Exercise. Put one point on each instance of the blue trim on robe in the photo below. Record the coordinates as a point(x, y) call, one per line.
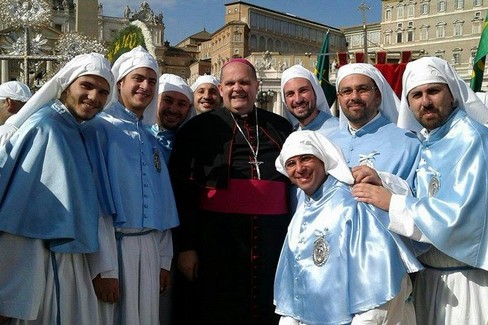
point(47, 186)
point(165, 138)
point(142, 195)
point(365, 267)
point(455, 220)
point(397, 150)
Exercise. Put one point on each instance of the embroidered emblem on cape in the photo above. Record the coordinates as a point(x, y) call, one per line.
point(320, 251)
point(157, 161)
point(434, 185)
point(368, 160)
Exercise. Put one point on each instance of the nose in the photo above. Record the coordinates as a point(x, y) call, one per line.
point(426, 101)
point(300, 167)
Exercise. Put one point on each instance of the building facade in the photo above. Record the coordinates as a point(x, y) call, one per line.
point(447, 29)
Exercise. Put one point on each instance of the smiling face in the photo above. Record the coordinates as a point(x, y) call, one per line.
point(86, 96)
point(359, 99)
point(173, 108)
point(431, 104)
point(206, 98)
point(238, 87)
point(301, 100)
point(137, 89)
point(306, 171)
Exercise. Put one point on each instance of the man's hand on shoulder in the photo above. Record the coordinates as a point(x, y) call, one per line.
point(365, 174)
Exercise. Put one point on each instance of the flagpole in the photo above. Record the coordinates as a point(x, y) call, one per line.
point(363, 7)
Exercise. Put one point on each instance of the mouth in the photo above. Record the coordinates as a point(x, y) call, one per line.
point(429, 113)
point(90, 106)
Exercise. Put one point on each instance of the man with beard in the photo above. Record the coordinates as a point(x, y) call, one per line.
point(367, 132)
point(232, 205)
point(206, 94)
point(449, 208)
point(174, 108)
point(305, 100)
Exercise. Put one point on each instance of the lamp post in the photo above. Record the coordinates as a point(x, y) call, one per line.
point(264, 96)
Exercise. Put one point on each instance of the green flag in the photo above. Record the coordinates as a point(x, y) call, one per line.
point(322, 71)
point(479, 59)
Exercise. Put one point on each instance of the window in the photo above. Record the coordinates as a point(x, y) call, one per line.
point(458, 4)
point(410, 35)
point(388, 38)
point(441, 5)
point(476, 27)
point(388, 14)
point(477, 3)
point(400, 12)
point(456, 57)
point(458, 28)
point(424, 33)
point(474, 50)
point(424, 9)
point(399, 36)
point(441, 30)
point(411, 10)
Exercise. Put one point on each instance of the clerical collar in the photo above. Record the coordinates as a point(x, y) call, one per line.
point(353, 130)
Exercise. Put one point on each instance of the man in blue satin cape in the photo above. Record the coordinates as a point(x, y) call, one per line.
point(339, 263)
point(449, 209)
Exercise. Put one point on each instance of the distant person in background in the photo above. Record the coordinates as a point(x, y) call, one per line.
point(206, 94)
point(13, 95)
point(174, 108)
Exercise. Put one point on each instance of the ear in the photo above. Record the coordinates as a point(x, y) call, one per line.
point(10, 105)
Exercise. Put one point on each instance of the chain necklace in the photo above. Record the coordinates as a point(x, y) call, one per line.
point(256, 163)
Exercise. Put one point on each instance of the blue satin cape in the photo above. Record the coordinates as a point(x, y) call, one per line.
point(455, 219)
point(365, 267)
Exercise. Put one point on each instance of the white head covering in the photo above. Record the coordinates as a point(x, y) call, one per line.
point(205, 79)
point(84, 64)
point(136, 58)
point(389, 101)
point(298, 71)
point(172, 82)
point(435, 70)
point(313, 143)
point(15, 90)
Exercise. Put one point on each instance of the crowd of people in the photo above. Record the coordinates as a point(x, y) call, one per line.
point(130, 197)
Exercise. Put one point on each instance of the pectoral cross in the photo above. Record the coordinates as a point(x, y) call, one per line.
point(256, 164)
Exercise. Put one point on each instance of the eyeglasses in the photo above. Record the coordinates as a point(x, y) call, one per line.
point(303, 159)
point(361, 90)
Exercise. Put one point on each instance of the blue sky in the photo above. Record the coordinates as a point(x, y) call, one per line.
point(183, 18)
